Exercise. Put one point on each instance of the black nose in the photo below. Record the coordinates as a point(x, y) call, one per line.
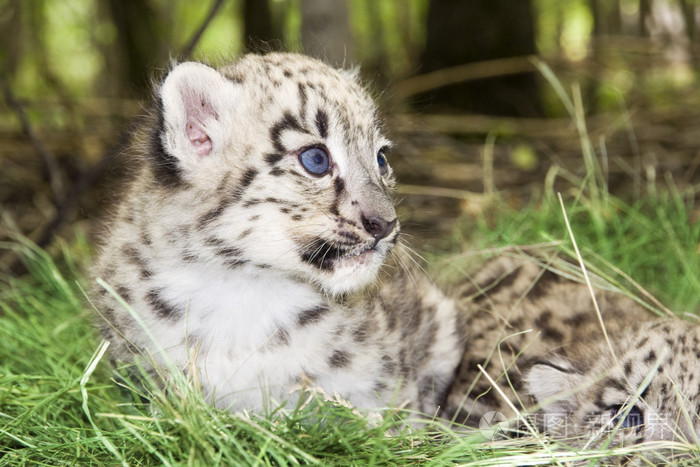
point(378, 227)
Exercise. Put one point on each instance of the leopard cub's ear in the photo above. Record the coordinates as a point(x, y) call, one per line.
point(196, 105)
point(554, 383)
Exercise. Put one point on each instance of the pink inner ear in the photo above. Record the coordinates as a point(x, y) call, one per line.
point(198, 111)
point(198, 137)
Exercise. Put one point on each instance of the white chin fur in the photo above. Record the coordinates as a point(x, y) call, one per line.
point(353, 273)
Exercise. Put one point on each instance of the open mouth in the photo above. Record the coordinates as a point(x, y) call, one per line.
point(324, 255)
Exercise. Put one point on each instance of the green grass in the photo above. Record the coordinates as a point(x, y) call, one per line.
point(652, 240)
point(60, 404)
point(63, 403)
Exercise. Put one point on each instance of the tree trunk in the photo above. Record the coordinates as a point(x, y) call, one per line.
point(644, 14)
point(325, 30)
point(12, 38)
point(140, 42)
point(258, 27)
point(460, 32)
point(607, 17)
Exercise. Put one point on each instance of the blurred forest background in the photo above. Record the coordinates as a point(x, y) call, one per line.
point(462, 83)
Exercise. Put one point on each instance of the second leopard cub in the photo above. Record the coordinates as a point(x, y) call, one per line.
point(531, 325)
point(250, 241)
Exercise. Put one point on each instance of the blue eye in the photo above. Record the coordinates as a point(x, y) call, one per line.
point(634, 418)
point(381, 161)
point(315, 161)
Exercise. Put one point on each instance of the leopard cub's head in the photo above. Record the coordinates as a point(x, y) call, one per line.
point(278, 162)
point(649, 390)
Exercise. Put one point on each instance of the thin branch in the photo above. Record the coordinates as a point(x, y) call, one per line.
point(192, 43)
point(461, 73)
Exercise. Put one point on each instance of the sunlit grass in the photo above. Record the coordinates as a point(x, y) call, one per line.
point(653, 239)
point(63, 403)
point(54, 409)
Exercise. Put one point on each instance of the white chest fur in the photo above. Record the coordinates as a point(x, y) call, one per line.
point(242, 335)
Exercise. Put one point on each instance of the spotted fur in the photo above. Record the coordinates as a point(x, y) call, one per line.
point(254, 273)
point(531, 324)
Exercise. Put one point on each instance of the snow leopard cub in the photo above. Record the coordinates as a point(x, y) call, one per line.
point(251, 239)
point(532, 326)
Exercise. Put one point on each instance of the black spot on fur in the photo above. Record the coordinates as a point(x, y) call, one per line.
point(339, 185)
point(188, 256)
point(233, 257)
point(599, 402)
point(108, 315)
point(237, 78)
point(229, 252)
point(493, 284)
point(577, 319)
point(145, 237)
point(107, 274)
point(162, 308)
point(214, 242)
point(124, 293)
point(288, 122)
point(321, 254)
point(302, 100)
point(135, 258)
point(515, 379)
point(351, 236)
point(273, 158)
point(339, 359)
point(212, 215)
point(645, 392)
point(543, 319)
point(312, 315)
point(247, 178)
point(379, 386)
point(552, 334)
point(281, 337)
point(251, 202)
point(411, 316)
point(388, 365)
point(360, 333)
point(245, 181)
point(333, 209)
point(426, 388)
point(404, 368)
point(628, 367)
point(322, 123)
point(166, 169)
point(651, 357)
point(277, 172)
point(390, 312)
point(615, 383)
point(544, 284)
